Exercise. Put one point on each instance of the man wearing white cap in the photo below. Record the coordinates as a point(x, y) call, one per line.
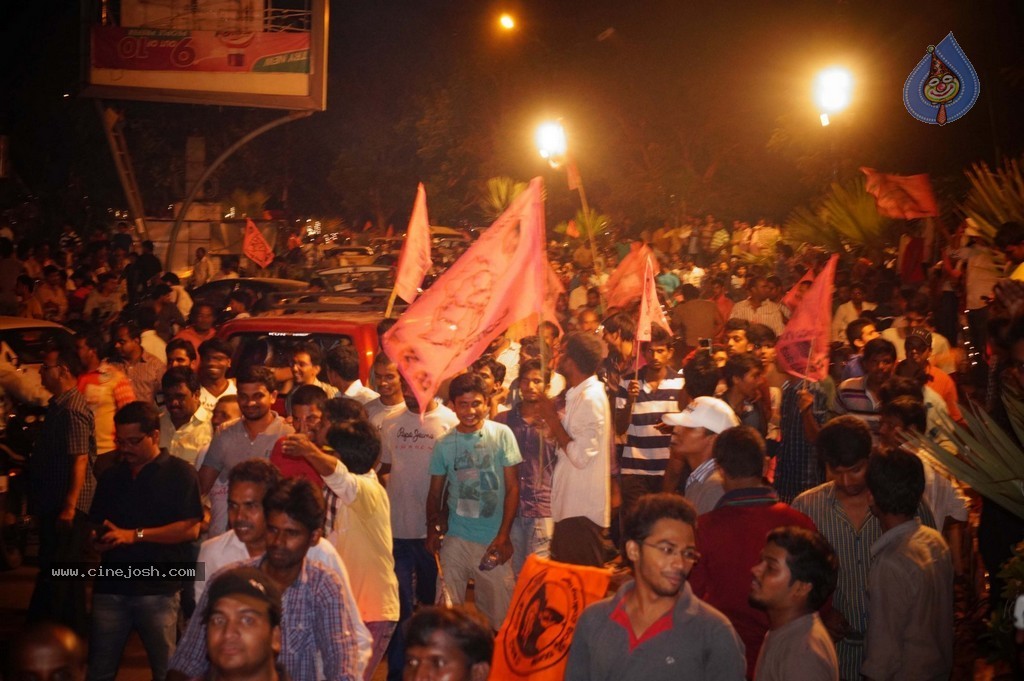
point(693, 436)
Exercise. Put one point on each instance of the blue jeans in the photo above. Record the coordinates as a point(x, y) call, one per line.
point(113, 618)
point(530, 535)
point(417, 581)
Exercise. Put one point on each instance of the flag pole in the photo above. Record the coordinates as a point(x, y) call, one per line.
point(391, 302)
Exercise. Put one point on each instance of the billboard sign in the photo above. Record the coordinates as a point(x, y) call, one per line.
point(275, 60)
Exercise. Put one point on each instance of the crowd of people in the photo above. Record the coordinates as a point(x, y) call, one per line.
point(763, 526)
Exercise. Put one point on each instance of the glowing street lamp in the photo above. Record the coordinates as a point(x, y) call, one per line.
point(507, 22)
point(553, 146)
point(832, 91)
point(551, 143)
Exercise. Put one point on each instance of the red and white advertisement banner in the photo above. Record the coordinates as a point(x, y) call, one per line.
point(149, 49)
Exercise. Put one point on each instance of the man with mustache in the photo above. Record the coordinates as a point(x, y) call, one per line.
point(320, 636)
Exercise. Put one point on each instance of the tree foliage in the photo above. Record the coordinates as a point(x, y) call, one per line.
point(844, 220)
point(995, 196)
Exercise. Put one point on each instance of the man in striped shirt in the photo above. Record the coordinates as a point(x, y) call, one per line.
point(860, 396)
point(758, 309)
point(641, 401)
point(840, 511)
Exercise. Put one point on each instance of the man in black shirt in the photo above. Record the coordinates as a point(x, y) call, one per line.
point(147, 510)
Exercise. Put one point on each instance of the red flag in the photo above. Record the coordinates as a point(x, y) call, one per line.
point(803, 348)
point(901, 196)
point(548, 600)
point(255, 247)
point(572, 230)
point(501, 278)
point(414, 260)
point(626, 283)
point(650, 307)
point(792, 299)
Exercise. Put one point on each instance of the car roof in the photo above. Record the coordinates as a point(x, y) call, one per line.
point(26, 323)
point(302, 322)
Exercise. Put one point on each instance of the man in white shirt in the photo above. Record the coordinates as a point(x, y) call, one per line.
point(407, 443)
point(390, 402)
point(342, 367)
point(214, 364)
point(849, 311)
point(580, 488)
point(185, 428)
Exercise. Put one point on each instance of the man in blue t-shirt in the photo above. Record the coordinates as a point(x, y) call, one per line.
point(477, 462)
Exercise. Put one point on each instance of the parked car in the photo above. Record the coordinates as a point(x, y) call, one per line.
point(23, 408)
point(218, 292)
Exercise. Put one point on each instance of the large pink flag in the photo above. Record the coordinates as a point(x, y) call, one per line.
point(792, 299)
point(650, 308)
point(501, 278)
point(626, 283)
point(803, 348)
point(414, 260)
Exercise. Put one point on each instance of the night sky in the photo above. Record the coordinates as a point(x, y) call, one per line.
point(639, 86)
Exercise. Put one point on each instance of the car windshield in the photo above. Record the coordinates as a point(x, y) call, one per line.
point(26, 346)
point(275, 349)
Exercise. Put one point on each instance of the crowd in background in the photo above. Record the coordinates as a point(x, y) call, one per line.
point(574, 441)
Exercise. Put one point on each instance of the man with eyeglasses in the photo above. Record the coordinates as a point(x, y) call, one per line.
point(62, 487)
point(146, 512)
point(732, 535)
point(655, 628)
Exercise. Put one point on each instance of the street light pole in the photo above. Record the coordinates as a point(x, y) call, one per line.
point(832, 90)
point(553, 146)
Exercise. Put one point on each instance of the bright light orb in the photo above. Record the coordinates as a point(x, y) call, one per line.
point(551, 141)
point(832, 89)
point(507, 22)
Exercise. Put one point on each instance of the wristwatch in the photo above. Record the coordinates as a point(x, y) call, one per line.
point(139, 534)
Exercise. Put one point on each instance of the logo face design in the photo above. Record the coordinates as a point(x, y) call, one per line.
point(943, 86)
point(543, 621)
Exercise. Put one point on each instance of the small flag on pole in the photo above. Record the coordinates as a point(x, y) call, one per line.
point(414, 260)
point(255, 247)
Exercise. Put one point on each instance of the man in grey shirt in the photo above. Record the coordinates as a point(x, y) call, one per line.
point(654, 628)
point(251, 437)
point(910, 586)
point(797, 572)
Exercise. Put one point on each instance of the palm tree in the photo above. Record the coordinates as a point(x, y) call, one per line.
point(995, 196)
point(501, 191)
point(844, 220)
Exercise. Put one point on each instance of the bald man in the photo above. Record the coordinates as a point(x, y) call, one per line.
point(48, 652)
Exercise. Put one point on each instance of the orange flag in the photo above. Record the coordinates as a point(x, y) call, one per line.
point(255, 247)
point(414, 260)
point(549, 597)
point(626, 283)
point(500, 279)
point(572, 230)
point(803, 347)
point(901, 196)
point(650, 308)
